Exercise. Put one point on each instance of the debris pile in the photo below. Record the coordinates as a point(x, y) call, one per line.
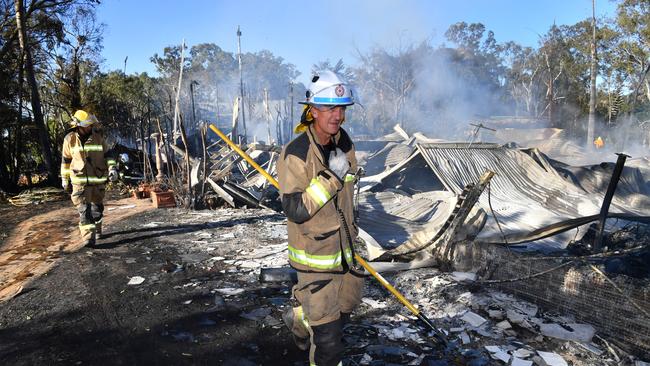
point(483, 323)
point(223, 255)
point(37, 195)
point(223, 175)
point(420, 200)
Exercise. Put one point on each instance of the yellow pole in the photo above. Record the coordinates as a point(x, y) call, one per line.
point(361, 261)
point(388, 286)
point(245, 156)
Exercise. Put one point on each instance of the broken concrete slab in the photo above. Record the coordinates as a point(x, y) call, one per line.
point(473, 319)
point(495, 314)
point(522, 353)
point(498, 353)
point(504, 325)
point(375, 304)
point(248, 264)
point(135, 280)
point(552, 359)
point(570, 332)
point(515, 316)
point(463, 276)
point(519, 362)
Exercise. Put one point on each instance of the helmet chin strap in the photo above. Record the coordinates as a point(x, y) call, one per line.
point(306, 118)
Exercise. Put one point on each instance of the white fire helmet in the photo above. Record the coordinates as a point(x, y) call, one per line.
point(327, 88)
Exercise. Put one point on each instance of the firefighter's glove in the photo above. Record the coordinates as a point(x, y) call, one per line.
point(338, 163)
point(65, 184)
point(113, 175)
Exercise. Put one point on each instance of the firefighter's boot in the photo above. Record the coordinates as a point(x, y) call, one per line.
point(295, 320)
point(90, 243)
point(98, 229)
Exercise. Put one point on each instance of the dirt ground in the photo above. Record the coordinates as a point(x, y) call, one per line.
point(83, 312)
point(198, 304)
point(178, 287)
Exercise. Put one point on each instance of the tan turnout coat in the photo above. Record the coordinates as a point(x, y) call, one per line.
point(85, 163)
point(312, 197)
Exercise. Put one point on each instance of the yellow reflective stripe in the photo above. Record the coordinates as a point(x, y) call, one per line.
point(349, 178)
point(88, 147)
point(301, 314)
point(110, 162)
point(65, 172)
point(87, 226)
point(348, 255)
point(93, 147)
point(93, 180)
point(313, 260)
point(318, 193)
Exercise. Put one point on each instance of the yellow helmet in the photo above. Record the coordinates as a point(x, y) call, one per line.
point(83, 119)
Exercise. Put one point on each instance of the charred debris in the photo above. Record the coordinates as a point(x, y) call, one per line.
point(512, 220)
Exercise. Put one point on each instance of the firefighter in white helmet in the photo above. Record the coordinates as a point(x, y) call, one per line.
point(316, 176)
point(87, 164)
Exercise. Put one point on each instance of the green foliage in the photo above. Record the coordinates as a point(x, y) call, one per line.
point(121, 101)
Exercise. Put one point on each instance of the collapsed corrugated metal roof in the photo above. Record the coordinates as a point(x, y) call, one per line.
point(526, 195)
point(397, 220)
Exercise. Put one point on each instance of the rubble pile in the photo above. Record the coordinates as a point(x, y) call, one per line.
point(224, 253)
point(414, 195)
point(486, 326)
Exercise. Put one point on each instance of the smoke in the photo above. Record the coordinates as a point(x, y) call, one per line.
point(447, 95)
point(436, 91)
point(626, 135)
point(213, 75)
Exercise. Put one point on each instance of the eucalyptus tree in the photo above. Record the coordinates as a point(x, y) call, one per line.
point(29, 31)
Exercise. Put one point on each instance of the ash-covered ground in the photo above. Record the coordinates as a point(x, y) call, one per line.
point(177, 287)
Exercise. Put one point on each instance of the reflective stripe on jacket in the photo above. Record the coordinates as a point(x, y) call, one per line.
point(311, 197)
point(85, 162)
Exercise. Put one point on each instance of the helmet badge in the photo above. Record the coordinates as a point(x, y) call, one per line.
point(340, 90)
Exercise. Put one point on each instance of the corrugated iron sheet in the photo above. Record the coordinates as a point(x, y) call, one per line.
point(394, 218)
point(524, 196)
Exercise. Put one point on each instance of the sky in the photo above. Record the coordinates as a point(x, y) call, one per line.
point(307, 32)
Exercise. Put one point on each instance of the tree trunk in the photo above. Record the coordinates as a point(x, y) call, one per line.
point(4, 171)
point(18, 148)
point(35, 96)
point(551, 101)
point(178, 94)
point(75, 84)
point(591, 125)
